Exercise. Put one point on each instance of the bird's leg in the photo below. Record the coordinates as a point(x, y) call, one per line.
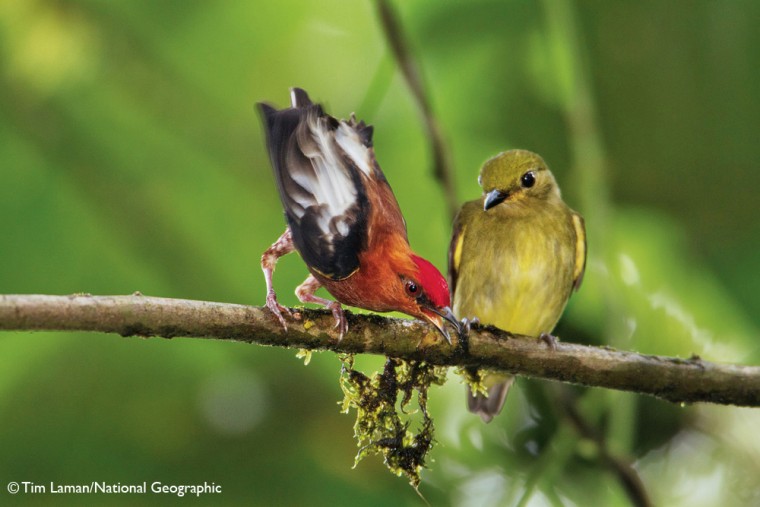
point(468, 323)
point(464, 336)
point(283, 246)
point(305, 293)
point(549, 339)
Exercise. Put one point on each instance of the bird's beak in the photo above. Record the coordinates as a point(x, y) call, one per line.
point(437, 320)
point(493, 198)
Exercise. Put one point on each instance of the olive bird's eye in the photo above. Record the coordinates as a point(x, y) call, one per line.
point(528, 179)
point(411, 288)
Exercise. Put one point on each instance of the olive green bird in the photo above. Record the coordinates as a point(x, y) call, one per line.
point(516, 255)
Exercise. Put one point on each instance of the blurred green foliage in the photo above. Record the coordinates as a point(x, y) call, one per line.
point(131, 158)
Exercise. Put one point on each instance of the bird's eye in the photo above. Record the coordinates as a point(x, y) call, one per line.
point(528, 179)
point(412, 288)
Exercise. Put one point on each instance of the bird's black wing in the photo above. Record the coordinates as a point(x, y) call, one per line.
point(319, 164)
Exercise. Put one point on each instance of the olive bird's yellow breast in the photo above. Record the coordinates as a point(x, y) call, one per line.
point(516, 267)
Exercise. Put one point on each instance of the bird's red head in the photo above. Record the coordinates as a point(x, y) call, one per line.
point(430, 295)
point(435, 285)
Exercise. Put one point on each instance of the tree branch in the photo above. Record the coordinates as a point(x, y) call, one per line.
point(673, 379)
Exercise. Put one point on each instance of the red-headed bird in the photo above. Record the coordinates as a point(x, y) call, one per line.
point(344, 220)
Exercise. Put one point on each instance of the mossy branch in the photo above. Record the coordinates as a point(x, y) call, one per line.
point(674, 379)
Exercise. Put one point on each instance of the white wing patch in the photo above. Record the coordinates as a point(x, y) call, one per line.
point(329, 190)
point(352, 145)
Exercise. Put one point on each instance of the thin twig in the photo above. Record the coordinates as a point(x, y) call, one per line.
point(673, 379)
point(625, 473)
point(394, 34)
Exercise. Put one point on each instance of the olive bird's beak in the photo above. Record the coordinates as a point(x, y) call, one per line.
point(493, 198)
point(437, 321)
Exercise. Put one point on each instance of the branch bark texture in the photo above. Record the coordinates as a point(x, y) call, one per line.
point(673, 379)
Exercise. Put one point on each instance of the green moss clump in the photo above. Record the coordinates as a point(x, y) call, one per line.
point(380, 402)
point(304, 354)
point(473, 377)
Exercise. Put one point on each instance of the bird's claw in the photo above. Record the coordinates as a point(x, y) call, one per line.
point(464, 335)
point(468, 323)
point(549, 339)
point(341, 323)
point(277, 309)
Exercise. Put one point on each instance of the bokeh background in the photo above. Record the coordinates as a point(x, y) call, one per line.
point(131, 158)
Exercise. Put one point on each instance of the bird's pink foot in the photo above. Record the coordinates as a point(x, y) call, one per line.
point(277, 309)
point(341, 323)
point(283, 246)
point(305, 293)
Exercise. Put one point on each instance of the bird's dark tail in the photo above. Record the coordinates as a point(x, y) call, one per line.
point(299, 98)
point(487, 407)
